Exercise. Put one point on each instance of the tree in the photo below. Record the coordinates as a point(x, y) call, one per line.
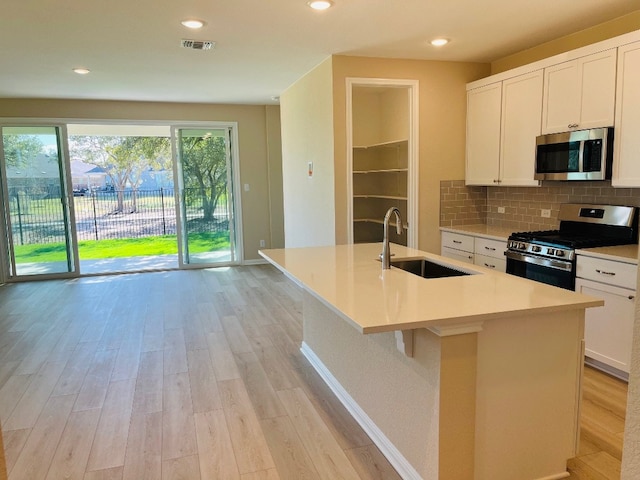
point(204, 163)
point(18, 149)
point(124, 159)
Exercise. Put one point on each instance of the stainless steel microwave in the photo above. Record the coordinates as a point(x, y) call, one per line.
point(577, 155)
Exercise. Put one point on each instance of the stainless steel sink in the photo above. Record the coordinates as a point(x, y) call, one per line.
point(426, 269)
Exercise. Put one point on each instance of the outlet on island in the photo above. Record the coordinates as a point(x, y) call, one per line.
point(500, 209)
point(545, 213)
point(262, 244)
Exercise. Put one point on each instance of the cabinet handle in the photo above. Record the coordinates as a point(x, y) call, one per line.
point(602, 272)
point(572, 125)
point(470, 257)
point(490, 248)
point(631, 297)
point(457, 241)
point(490, 266)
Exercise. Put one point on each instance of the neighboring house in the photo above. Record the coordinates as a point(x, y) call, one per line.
point(87, 175)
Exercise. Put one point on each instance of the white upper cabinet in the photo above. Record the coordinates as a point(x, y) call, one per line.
point(521, 120)
point(626, 149)
point(484, 107)
point(580, 94)
point(503, 120)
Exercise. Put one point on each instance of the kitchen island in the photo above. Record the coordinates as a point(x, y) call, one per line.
point(473, 377)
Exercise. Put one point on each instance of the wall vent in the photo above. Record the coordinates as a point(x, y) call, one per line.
point(197, 44)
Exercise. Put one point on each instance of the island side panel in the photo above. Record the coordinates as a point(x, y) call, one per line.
point(399, 394)
point(528, 395)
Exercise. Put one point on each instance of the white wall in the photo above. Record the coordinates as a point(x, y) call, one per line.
point(306, 112)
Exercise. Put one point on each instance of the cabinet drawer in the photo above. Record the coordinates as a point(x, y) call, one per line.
point(490, 248)
point(607, 271)
point(457, 241)
point(466, 257)
point(494, 263)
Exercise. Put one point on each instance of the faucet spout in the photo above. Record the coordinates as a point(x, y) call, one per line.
point(385, 256)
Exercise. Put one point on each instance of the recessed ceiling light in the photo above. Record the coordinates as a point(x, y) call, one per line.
point(81, 71)
point(193, 23)
point(320, 4)
point(439, 42)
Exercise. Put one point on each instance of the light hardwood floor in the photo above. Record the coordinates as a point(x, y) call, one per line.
point(194, 374)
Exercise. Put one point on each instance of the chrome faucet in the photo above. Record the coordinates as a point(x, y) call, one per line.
point(385, 256)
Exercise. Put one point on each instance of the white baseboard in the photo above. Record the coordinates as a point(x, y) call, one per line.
point(388, 449)
point(255, 261)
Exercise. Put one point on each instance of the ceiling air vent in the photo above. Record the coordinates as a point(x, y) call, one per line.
point(198, 44)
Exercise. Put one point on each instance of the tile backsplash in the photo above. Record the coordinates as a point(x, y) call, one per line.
point(462, 205)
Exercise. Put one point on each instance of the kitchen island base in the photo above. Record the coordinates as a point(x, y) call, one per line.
point(501, 403)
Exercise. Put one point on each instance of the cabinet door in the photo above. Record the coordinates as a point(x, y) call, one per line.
point(561, 100)
point(465, 257)
point(521, 124)
point(598, 77)
point(609, 329)
point(483, 135)
point(494, 263)
point(626, 167)
point(580, 94)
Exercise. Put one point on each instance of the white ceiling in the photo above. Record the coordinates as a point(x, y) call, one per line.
point(133, 46)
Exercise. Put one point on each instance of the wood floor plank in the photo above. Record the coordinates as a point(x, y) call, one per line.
point(72, 454)
point(215, 451)
point(184, 468)
point(147, 397)
point(204, 386)
point(371, 464)
point(96, 382)
point(265, 402)
point(76, 369)
point(249, 445)
point(238, 341)
point(224, 364)
point(177, 393)
point(114, 473)
point(178, 434)
point(35, 397)
point(143, 458)
point(271, 474)
point(35, 458)
point(175, 352)
point(289, 455)
point(11, 393)
point(14, 442)
point(109, 444)
point(326, 454)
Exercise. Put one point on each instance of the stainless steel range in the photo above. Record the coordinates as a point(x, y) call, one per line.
point(549, 256)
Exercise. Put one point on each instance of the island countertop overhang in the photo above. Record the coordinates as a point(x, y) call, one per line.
point(349, 280)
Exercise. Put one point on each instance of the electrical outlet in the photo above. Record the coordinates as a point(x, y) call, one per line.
point(544, 213)
point(500, 209)
point(262, 244)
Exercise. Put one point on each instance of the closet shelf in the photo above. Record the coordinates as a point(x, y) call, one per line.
point(382, 170)
point(385, 197)
point(375, 220)
point(390, 144)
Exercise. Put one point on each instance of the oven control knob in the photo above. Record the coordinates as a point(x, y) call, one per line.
point(550, 251)
point(559, 253)
point(521, 246)
point(536, 249)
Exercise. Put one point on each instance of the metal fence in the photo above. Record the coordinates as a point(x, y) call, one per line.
point(37, 216)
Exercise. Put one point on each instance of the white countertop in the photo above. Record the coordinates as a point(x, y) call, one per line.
point(349, 280)
point(481, 230)
point(620, 253)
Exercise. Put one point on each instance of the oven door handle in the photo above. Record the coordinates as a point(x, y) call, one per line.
point(544, 262)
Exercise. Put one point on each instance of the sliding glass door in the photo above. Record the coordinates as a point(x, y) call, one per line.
point(206, 198)
point(38, 238)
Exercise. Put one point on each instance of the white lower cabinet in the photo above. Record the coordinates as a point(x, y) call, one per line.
point(608, 329)
point(477, 250)
point(460, 255)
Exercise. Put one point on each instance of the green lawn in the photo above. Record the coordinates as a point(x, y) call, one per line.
point(119, 248)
